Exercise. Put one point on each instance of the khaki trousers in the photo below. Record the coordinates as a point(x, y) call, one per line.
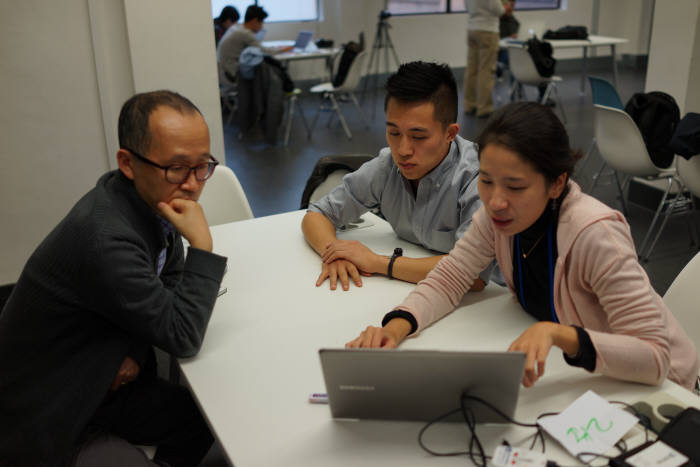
point(479, 78)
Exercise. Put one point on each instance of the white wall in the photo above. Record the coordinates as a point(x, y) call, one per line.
point(52, 143)
point(674, 55)
point(66, 69)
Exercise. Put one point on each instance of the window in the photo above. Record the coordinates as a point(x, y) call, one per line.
point(412, 7)
point(279, 10)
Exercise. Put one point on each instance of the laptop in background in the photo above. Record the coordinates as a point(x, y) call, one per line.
point(303, 39)
point(419, 384)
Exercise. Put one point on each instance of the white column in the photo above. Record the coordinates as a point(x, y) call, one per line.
point(674, 53)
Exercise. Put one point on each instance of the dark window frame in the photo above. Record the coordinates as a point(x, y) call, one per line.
point(448, 10)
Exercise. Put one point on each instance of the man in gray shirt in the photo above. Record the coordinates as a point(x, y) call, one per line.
point(233, 43)
point(424, 184)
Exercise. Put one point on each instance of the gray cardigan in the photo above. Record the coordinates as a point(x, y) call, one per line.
point(88, 296)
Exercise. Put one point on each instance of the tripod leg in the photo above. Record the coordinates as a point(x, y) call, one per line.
point(393, 50)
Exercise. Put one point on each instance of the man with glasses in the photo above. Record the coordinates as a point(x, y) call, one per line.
point(78, 380)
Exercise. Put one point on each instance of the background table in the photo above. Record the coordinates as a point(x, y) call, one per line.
point(585, 44)
point(259, 361)
point(327, 54)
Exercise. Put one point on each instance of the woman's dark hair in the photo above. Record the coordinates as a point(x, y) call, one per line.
point(228, 12)
point(535, 133)
point(425, 82)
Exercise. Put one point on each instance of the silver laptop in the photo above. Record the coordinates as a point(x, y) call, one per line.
point(303, 39)
point(419, 384)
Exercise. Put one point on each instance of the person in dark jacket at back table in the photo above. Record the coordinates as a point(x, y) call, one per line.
point(77, 373)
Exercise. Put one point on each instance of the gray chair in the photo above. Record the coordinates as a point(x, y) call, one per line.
point(223, 198)
point(327, 90)
point(682, 299)
point(328, 173)
point(525, 73)
point(622, 148)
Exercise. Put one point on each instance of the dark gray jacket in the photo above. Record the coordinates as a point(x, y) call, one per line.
point(88, 295)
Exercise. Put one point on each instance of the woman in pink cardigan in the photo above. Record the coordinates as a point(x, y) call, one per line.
point(569, 260)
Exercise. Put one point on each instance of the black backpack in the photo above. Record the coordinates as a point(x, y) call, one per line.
point(567, 32)
point(541, 53)
point(350, 51)
point(657, 115)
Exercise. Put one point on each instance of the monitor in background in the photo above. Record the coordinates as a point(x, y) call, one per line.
point(420, 384)
point(303, 39)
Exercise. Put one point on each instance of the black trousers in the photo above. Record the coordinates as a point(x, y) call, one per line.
point(154, 412)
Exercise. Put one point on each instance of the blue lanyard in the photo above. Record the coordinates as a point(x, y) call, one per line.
point(521, 291)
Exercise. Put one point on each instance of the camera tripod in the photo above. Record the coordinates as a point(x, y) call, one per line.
point(382, 40)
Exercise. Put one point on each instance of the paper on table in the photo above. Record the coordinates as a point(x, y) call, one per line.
point(590, 424)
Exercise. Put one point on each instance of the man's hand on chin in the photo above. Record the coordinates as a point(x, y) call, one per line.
point(188, 218)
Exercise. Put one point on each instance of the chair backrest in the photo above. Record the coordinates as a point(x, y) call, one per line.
point(604, 93)
point(328, 173)
point(223, 199)
point(352, 80)
point(333, 179)
point(620, 144)
point(682, 299)
point(689, 172)
point(522, 66)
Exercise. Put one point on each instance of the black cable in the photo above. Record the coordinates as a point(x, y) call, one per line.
point(476, 450)
point(431, 423)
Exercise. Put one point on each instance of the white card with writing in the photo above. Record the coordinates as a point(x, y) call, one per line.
point(590, 424)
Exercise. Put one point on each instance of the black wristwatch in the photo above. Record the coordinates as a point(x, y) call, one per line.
point(397, 252)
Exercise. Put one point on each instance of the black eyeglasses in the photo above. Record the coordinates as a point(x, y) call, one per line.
point(178, 173)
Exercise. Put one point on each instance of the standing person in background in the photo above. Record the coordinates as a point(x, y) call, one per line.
point(227, 19)
point(482, 51)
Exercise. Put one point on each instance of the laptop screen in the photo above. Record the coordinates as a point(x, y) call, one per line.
point(419, 384)
point(303, 39)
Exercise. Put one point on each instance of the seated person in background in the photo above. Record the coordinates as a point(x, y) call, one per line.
point(108, 283)
point(232, 44)
point(225, 22)
point(423, 184)
point(569, 260)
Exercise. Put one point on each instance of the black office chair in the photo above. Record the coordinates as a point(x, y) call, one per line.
point(328, 173)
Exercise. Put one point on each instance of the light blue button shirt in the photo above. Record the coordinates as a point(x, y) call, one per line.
point(435, 218)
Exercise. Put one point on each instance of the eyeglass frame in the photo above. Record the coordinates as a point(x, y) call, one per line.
point(212, 163)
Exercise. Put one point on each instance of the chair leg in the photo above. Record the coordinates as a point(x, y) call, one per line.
point(561, 104)
point(642, 256)
point(359, 110)
point(290, 115)
point(669, 211)
point(313, 122)
point(588, 155)
point(621, 189)
point(596, 176)
point(304, 121)
point(336, 107)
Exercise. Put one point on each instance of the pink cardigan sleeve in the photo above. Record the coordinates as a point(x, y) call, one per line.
point(631, 334)
point(443, 288)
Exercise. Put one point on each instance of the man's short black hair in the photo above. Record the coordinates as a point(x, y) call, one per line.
point(228, 12)
point(255, 12)
point(425, 82)
point(134, 129)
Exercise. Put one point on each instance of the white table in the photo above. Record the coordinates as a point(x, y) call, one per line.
point(585, 44)
point(328, 54)
point(259, 361)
